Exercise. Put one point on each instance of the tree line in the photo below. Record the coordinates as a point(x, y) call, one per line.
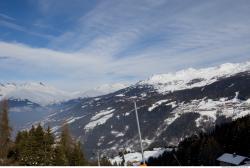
point(38, 146)
point(205, 148)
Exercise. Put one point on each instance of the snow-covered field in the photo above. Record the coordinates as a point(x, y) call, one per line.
point(136, 157)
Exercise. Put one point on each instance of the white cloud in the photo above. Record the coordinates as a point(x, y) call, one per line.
point(117, 39)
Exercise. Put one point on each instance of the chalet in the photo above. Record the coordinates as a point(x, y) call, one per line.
point(228, 159)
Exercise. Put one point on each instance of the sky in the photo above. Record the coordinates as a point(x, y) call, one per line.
point(81, 44)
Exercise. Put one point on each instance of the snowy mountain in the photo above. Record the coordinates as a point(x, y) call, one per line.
point(34, 92)
point(190, 78)
point(28, 101)
point(170, 107)
point(45, 95)
point(32, 101)
point(102, 90)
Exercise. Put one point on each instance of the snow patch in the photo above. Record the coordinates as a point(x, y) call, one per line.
point(96, 99)
point(156, 104)
point(235, 99)
point(120, 95)
point(127, 113)
point(126, 127)
point(54, 129)
point(73, 119)
point(99, 119)
point(117, 134)
point(83, 106)
point(172, 104)
point(136, 156)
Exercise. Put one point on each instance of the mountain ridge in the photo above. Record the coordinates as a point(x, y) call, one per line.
point(107, 122)
point(42, 94)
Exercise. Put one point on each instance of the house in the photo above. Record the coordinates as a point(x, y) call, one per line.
point(228, 159)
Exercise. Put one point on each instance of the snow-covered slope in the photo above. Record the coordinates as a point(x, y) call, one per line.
point(34, 92)
point(190, 78)
point(102, 90)
point(170, 107)
point(44, 95)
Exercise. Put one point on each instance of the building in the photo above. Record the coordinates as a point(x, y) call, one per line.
point(228, 159)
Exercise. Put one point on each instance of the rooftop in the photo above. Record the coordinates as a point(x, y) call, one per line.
point(231, 158)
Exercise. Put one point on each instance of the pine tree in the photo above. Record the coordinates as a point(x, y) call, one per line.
point(20, 146)
point(66, 142)
point(105, 162)
point(48, 147)
point(66, 139)
point(68, 152)
point(5, 133)
point(121, 154)
point(77, 157)
point(115, 164)
point(29, 152)
point(60, 158)
point(31, 147)
point(38, 146)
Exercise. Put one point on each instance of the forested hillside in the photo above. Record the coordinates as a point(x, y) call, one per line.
point(205, 148)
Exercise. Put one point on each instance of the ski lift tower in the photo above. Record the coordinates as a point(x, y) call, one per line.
point(139, 132)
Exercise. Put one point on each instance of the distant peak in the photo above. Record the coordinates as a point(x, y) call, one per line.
point(102, 90)
point(192, 77)
point(41, 83)
point(35, 92)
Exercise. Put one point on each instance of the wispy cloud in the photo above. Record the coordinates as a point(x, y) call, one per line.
point(7, 17)
point(130, 40)
point(10, 23)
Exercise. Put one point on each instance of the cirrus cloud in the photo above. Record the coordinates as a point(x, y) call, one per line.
point(118, 41)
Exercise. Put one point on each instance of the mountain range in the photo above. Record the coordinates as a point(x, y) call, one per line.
point(170, 106)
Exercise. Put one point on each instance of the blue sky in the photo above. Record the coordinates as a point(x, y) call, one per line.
point(80, 44)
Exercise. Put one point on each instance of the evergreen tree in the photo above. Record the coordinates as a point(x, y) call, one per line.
point(115, 164)
point(28, 147)
point(121, 154)
point(48, 147)
point(5, 133)
point(37, 147)
point(20, 146)
point(105, 162)
point(209, 152)
point(66, 140)
point(60, 158)
point(77, 157)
